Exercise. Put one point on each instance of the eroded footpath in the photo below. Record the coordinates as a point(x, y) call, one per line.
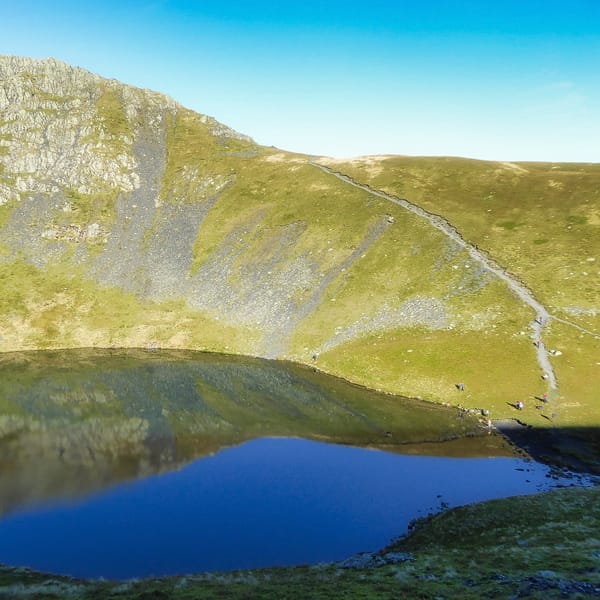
point(542, 316)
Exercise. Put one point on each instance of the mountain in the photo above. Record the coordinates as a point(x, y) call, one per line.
point(128, 220)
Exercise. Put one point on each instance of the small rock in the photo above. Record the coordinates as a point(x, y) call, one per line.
point(365, 560)
point(546, 574)
point(395, 558)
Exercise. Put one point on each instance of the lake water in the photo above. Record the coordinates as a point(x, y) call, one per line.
point(122, 464)
point(268, 502)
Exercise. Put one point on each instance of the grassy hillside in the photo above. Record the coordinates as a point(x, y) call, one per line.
point(540, 222)
point(160, 227)
point(541, 219)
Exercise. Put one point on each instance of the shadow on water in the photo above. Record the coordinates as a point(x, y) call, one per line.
point(572, 448)
point(74, 421)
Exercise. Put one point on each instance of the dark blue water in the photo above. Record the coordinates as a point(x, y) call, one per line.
point(268, 502)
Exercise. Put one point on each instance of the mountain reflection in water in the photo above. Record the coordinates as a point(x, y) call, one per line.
point(75, 421)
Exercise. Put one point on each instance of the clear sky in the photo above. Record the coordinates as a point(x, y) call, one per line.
point(502, 79)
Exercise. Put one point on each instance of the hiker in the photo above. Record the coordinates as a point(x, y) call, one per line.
point(545, 398)
point(314, 357)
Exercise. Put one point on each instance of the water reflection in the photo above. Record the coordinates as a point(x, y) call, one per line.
point(265, 503)
point(79, 420)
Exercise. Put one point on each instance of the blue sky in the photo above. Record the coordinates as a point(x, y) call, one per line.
point(503, 80)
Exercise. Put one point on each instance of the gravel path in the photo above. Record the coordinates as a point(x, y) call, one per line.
point(542, 316)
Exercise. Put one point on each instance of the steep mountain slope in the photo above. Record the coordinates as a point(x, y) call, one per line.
point(128, 220)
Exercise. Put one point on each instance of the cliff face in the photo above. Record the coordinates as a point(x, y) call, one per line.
point(128, 220)
point(84, 182)
point(67, 131)
point(83, 156)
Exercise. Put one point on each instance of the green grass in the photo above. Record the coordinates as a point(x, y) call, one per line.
point(578, 374)
point(540, 221)
point(429, 364)
point(273, 198)
point(504, 209)
point(90, 208)
point(509, 225)
point(192, 149)
point(111, 112)
point(60, 308)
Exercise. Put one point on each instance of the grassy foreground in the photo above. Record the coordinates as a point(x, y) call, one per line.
point(544, 546)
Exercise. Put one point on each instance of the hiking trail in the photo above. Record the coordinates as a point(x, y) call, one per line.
point(542, 317)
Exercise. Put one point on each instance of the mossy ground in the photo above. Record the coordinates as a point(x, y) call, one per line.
point(544, 546)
